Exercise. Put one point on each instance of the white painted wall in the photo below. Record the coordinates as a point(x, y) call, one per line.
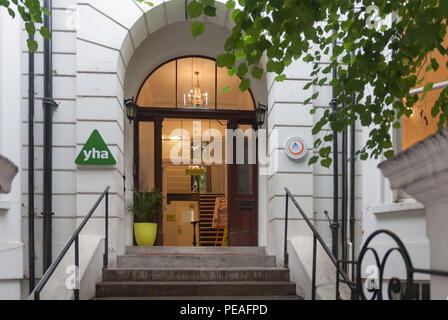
point(405, 218)
point(312, 186)
point(11, 246)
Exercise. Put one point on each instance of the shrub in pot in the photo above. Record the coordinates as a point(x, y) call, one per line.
point(145, 207)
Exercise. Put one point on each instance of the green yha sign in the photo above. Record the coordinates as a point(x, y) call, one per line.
point(95, 152)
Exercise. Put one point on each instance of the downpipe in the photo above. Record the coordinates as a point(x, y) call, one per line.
point(31, 248)
point(352, 193)
point(48, 105)
point(335, 224)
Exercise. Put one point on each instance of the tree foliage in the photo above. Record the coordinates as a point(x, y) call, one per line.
point(32, 14)
point(376, 66)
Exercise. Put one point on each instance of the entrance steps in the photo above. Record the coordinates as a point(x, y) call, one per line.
point(217, 273)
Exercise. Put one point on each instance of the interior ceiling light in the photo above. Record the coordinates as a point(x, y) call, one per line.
point(195, 98)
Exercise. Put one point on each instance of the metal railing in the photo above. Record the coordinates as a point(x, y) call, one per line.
point(75, 239)
point(317, 237)
point(374, 286)
point(395, 285)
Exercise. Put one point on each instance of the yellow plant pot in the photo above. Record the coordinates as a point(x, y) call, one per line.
point(145, 233)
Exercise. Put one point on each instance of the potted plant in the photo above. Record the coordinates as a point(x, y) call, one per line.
point(145, 207)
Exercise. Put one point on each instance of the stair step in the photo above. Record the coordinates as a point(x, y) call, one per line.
point(194, 261)
point(216, 298)
point(210, 274)
point(180, 288)
point(195, 250)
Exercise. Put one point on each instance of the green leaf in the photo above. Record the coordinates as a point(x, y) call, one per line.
point(389, 154)
point(313, 160)
point(30, 29)
point(32, 45)
point(230, 5)
point(328, 138)
point(326, 162)
point(280, 78)
point(428, 87)
point(245, 84)
point(257, 72)
point(46, 12)
point(11, 13)
point(210, 11)
point(275, 66)
point(226, 89)
point(242, 70)
point(45, 32)
point(225, 60)
point(195, 9)
point(197, 28)
point(325, 152)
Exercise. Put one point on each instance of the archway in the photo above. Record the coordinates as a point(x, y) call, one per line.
point(189, 137)
point(112, 62)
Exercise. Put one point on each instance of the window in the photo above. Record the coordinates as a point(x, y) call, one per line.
point(193, 83)
point(421, 124)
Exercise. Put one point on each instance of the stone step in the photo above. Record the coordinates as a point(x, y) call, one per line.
point(188, 288)
point(194, 261)
point(216, 298)
point(213, 274)
point(195, 250)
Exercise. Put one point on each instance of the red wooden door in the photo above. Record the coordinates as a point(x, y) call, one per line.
point(243, 196)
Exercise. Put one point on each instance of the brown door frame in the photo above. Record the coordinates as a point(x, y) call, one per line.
point(240, 202)
point(157, 115)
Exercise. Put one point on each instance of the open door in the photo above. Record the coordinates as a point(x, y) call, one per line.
point(243, 193)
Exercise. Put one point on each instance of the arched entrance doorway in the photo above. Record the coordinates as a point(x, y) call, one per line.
point(195, 142)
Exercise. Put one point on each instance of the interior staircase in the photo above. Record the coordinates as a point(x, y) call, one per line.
point(196, 273)
point(208, 236)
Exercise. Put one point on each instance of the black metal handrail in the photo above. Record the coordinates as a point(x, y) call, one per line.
point(316, 237)
point(75, 239)
point(394, 286)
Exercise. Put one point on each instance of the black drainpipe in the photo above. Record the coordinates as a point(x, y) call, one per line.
point(31, 249)
point(335, 223)
point(352, 191)
point(344, 198)
point(48, 104)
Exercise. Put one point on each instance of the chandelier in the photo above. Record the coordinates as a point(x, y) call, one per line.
point(195, 98)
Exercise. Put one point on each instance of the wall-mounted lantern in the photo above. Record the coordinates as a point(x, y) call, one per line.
point(260, 114)
point(131, 109)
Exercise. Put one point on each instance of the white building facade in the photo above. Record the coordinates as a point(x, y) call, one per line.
point(103, 51)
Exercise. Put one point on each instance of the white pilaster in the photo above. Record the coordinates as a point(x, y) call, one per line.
point(422, 171)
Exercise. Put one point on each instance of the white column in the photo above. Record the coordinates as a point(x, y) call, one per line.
point(422, 171)
point(11, 247)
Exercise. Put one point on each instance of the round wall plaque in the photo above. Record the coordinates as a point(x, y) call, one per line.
point(296, 148)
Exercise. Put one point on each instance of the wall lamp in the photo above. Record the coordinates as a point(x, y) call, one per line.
point(131, 109)
point(260, 114)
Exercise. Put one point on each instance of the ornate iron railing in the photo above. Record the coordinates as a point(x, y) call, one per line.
point(394, 285)
point(75, 239)
point(355, 284)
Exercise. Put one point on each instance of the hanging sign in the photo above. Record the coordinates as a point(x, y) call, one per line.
point(95, 152)
point(195, 171)
point(296, 148)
